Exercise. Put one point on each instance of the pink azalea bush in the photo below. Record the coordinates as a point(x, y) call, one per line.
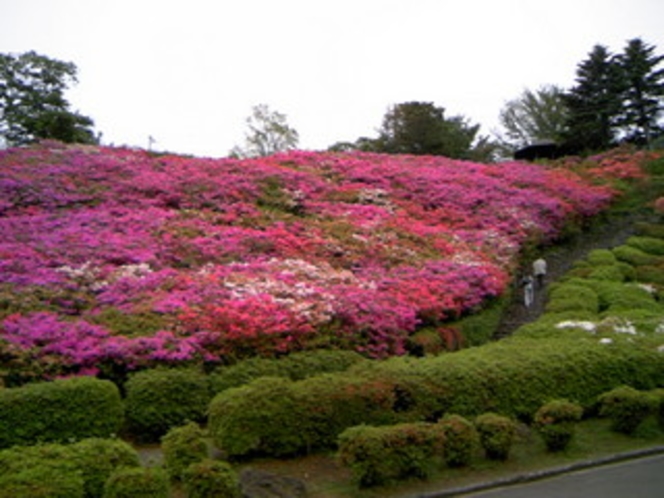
point(223, 257)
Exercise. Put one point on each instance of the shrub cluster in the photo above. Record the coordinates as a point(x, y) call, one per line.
point(515, 377)
point(378, 455)
point(626, 407)
point(211, 479)
point(183, 446)
point(496, 433)
point(295, 366)
point(460, 440)
point(79, 469)
point(138, 482)
point(555, 422)
point(61, 410)
point(160, 399)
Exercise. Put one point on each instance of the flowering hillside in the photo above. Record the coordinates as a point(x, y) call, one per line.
point(116, 256)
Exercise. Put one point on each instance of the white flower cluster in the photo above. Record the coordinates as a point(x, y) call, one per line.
point(295, 284)
point(139, 270)
point(86, 276)
point(375, 196)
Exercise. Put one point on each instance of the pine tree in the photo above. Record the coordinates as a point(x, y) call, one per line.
point(644, 91)
point(594, 103)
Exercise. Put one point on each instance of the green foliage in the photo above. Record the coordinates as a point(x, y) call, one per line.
point(32, 103)
point(42, 471)
point(53, 468)
point(379, 455)
point(460, 438)
point(479, 328)
point(183, 446)
point(137, 482)
point(62, 410)
point(601, 257)
point(650, 245)
point(422, 128)
point(635, 256)
point(160, 399)
point(626, 407)
point(555, 422)
point(650, 274)
point(98, 458)
point(612, 273)
point(534, 116)
point(268, 133)
point(211, 479)
point(514, 377)
point(257, 418)
point(570, 297)
point(496, 433)
point(295, 366)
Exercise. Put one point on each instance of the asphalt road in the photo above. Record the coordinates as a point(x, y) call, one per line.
point(640, 478)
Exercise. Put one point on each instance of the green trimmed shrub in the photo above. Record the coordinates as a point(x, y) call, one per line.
point(41, 471)
point(379, 455)
point(160, 399)
point(626, 407)
point(276, 416)
point(61, 410)
point(635, 256)
point(211, 479)
point(92, 460)
point(555, 422)
point(496, 433)
point(183, 446)
point(295, 366)
point(570, 297)
point(460, 438)
point(137, 482)
point(601, 257)
point(97, 459)
point(650, 274)
point(256, 418)
point(648, 245)
point(613, 273)
point(649, 230)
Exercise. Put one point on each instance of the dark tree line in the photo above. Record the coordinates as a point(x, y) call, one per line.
point(616, 98)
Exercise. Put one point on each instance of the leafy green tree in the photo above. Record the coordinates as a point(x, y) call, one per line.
point(534, 116)
point(422, 128)
point(268, 133)
point(643, 95)
point(594, 103)
point(32, 102)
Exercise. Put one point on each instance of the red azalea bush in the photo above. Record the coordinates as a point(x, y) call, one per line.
point(121, 257)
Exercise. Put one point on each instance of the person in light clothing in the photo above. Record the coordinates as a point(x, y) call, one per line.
point(539, 271)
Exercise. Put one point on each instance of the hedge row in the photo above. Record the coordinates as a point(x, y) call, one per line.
point(160, 399)
point(59, 411)
point(515, 376)
point(67, 471)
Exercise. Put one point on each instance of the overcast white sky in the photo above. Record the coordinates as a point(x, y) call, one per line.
point(189, 72)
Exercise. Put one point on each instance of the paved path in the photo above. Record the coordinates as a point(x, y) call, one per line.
point(640, 478)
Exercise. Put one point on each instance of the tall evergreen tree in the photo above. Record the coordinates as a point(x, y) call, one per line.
point(643, 97)
point(594, 103)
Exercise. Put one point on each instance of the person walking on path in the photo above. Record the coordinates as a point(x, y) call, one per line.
point(539, 270)
point(528, 290)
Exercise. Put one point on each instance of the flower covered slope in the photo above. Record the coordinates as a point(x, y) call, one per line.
point(120, 256)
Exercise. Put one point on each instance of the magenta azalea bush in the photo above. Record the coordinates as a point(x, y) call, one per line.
point(114, 256)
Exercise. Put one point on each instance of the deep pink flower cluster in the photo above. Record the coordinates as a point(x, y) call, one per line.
point(259, 256)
